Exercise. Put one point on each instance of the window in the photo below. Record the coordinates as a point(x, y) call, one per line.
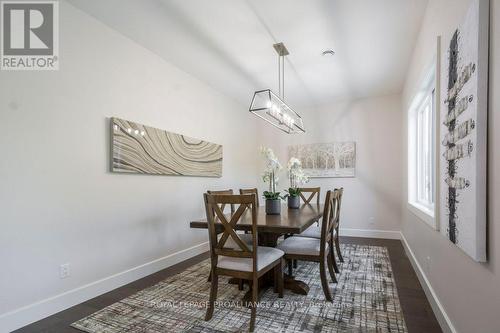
point(422, 151)
point(425, 152)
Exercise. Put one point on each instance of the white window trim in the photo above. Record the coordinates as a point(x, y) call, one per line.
point(423, 212)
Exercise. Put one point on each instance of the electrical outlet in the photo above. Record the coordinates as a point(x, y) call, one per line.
point(371, 220)
point(64, 271)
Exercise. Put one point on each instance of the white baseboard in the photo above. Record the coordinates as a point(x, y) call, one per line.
point(28, 314)
point(370, 233)
point(437, 307)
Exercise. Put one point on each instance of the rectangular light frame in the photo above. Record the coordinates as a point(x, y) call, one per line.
point(285, 119)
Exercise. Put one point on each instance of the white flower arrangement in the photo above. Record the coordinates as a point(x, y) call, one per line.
point(296, 173)
point(270, 174)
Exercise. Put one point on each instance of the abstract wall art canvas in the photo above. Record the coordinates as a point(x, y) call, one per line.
point(326, 160)
point(142, 149)
point(463, 133)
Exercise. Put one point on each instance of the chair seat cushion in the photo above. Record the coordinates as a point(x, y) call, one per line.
point(265, 256)
point(314, 231)
point(301, 246)
point(246, 238)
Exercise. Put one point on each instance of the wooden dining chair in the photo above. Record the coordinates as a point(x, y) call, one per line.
point(317, 250)
point(251, 191)
point(314, 231)
point(230, 243)
point(248, 262)
point(230, 191)
point(337, 228)
point(312, 191)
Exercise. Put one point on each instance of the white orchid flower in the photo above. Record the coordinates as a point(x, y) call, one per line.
point(296, 173)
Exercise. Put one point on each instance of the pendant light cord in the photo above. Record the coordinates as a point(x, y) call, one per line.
point(281, 76)
point(283, 73)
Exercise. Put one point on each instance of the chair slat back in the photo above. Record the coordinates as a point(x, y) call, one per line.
point(213, 204)
point(339, 205)
point(313, 191)
point(330, 217)
point(251, 191)
point(229, 192)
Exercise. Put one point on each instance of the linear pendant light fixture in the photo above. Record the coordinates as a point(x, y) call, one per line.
point(271, 107)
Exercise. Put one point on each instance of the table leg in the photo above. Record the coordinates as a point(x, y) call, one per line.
point(290, 283)
point(296, 286)
point(237, 281)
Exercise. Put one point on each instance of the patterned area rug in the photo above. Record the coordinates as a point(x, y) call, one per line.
point(365, 300)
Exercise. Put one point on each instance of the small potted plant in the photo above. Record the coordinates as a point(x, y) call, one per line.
point(273, 166)
point(293, 197)
point(297, 177)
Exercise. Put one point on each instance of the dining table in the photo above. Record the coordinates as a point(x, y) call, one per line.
point(270, 228)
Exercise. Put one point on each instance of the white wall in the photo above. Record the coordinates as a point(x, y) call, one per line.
point(58, 201)
point(372, 203)
point(468, 292)
point(371, 200)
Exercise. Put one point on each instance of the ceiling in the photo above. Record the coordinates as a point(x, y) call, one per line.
point(228, 43)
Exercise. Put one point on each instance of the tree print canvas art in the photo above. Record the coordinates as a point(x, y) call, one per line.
point(336, 159)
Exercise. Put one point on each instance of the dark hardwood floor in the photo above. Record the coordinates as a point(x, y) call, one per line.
point(417, 311)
